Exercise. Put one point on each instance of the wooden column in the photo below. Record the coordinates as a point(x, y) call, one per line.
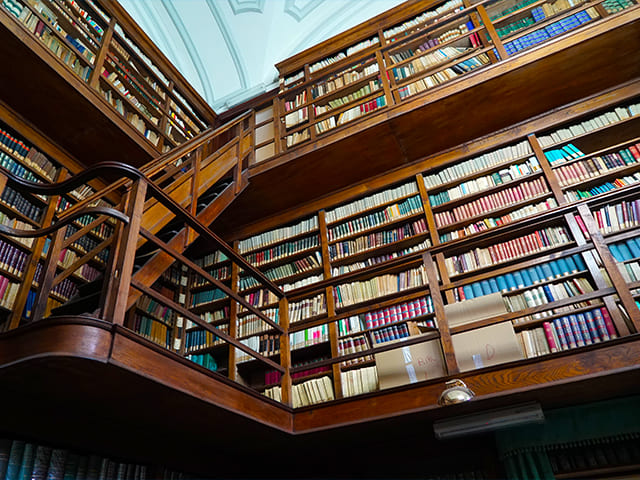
point(116, 303)
point(491, 30)
point(285, 351)
point(549, 174)
point(233, 318)
point(94, 79)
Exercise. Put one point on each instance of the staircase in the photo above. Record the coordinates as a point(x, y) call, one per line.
point(203, 176)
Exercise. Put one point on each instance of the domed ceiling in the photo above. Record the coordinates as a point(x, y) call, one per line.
point(227, 49)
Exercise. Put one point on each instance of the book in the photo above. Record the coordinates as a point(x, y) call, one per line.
point(14, 461)
point(41, 462)
point(28, 458)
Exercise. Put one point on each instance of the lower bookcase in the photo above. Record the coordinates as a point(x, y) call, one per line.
point(25, 458)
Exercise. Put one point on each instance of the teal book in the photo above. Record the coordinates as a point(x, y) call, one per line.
point(28, 457)
point(56, 464)
point(15, 459)
point(41, 463)
point(71, 466)
point(5, 449)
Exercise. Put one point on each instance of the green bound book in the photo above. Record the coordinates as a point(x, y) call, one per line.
point(15, 459)
point(5, 449)
point(41, 462)
point(28, 457)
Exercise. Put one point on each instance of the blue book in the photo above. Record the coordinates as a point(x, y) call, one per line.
point(468, 292)
point(553, 265)
point(511, 281)
point(15, 459)
point(502, 283)
point(564, 267)
point(557, 323)
point(477, 289)
point(494, 285)
point(577, 331)
point(533, 274)
point(526, 278)
point(634, 247)
point(486, 288)
point(571, 265)
point(517, 277)
point(26, 467)
point(624, 250)
point(579, 262)
point(548, 294)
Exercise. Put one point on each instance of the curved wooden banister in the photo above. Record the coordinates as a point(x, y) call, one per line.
point(64, 221)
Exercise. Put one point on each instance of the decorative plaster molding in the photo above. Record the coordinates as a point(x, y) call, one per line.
point(244, 6)
point(299, 9)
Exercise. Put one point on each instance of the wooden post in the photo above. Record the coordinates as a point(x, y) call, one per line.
point(285, 351)
point(551, 177)
point(116, 303)
point(94, 79)
point(233, 318)
point(491, 30)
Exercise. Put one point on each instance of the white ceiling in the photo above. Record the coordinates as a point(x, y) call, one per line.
point(227, 49)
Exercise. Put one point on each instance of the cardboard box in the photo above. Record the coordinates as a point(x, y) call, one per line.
point(468, 311)
point(486, 346)
point(410, 364)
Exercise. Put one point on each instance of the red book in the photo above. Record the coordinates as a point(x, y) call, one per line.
point(634, 151)
point(582, 226)
point(611, 329)
point(550, 339)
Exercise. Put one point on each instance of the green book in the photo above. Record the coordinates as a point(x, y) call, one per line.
point(28, 457)
point(15, 459)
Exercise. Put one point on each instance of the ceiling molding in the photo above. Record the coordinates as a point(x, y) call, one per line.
point(298, 9)
point(191, 49)
point(246, 6)
point(229, 40)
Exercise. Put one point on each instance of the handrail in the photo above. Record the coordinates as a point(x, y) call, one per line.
point(157, 164)
point(133, 173)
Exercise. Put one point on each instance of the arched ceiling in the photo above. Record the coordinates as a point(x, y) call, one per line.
point(227, 49)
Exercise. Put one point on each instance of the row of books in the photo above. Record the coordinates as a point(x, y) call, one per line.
point(297, 117)
point(445, 75)
point(407, 207)
point(494, 201)
point(155, 308)
point(428, 61)
point(251, 325)
point(114, 79)
point(132, 78)
point(367, 89)
point(377, 239)
point(153, 330)
point(305, 264)
point(310, 392)
point(449, 6)
point(277, 235)
point(205, 360)
point(362, 109)
point(31, 157)
point(21, 459)
point(506, 11)
point(307, 308)
point(12, 259)
point(220, 273)
point(603, 120)
point(261, 298)
point(8, 292)
point(395, 332)
point(298, 100)
point(297, 137)
point(200, 339)
point(272, 377)
point(485, 182)
point(566, 153)
point(630, 271)
point(309, 336)
point(344, 78)
point(494, 222)
point(370, 201)
point(206, 296)
point(282, 250)
point(554, 29)
point(474, 165)
point(361, 291)
point(569, 331)
point(548, 293)
point(614, 6)
point(212, 316)
point(352, 267)
point(522, 278)
point(359, 381)
point(575, 195)
point(619, 216)
point(519, 247)
point(17, 168)
point(267, 344)
point(287, 287)
point(211, 259)
point(352, 50)
point(625, 250)
point(16, 224)
point(576, 172)
point(354, 344)
point(66, 289)
point(18, 202)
